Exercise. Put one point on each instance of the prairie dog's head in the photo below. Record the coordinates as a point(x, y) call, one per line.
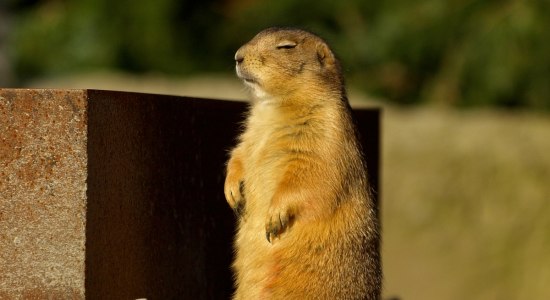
point(278, 62)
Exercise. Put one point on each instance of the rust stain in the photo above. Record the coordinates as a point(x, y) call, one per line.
point(42, 193)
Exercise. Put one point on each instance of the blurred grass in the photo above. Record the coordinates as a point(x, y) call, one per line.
point(465, 204)
point(465, 193)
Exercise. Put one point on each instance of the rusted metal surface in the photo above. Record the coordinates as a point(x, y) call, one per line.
point(158, 225)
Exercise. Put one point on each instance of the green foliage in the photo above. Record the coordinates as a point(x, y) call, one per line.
point(464, 53)
point(140, 35)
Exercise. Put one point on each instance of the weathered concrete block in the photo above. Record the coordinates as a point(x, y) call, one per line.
point(112, 195)
point(43, 161)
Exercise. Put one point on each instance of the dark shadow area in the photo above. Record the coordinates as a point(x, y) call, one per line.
point(158, 226)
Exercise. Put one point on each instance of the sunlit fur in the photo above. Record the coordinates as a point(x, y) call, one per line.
point(307, 227)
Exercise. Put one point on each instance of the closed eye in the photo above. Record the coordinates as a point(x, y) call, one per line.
point(286, 45)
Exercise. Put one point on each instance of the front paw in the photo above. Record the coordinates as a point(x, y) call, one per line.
point(278, 220)
point(234, 194)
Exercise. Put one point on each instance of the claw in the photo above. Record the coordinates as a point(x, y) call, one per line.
point(282, 224)
point(274, 228)
point(236, 200)
point(241, 188)
point(270, 232)
point(239, 209)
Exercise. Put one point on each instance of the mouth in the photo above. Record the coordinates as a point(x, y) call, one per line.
point(247, 78)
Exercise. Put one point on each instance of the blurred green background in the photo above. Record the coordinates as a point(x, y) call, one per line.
point(465, 87)
point(460, 53)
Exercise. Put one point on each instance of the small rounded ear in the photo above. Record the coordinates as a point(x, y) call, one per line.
point(324, 54)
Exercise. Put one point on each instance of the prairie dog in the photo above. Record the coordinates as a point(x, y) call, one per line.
point(307, 228)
